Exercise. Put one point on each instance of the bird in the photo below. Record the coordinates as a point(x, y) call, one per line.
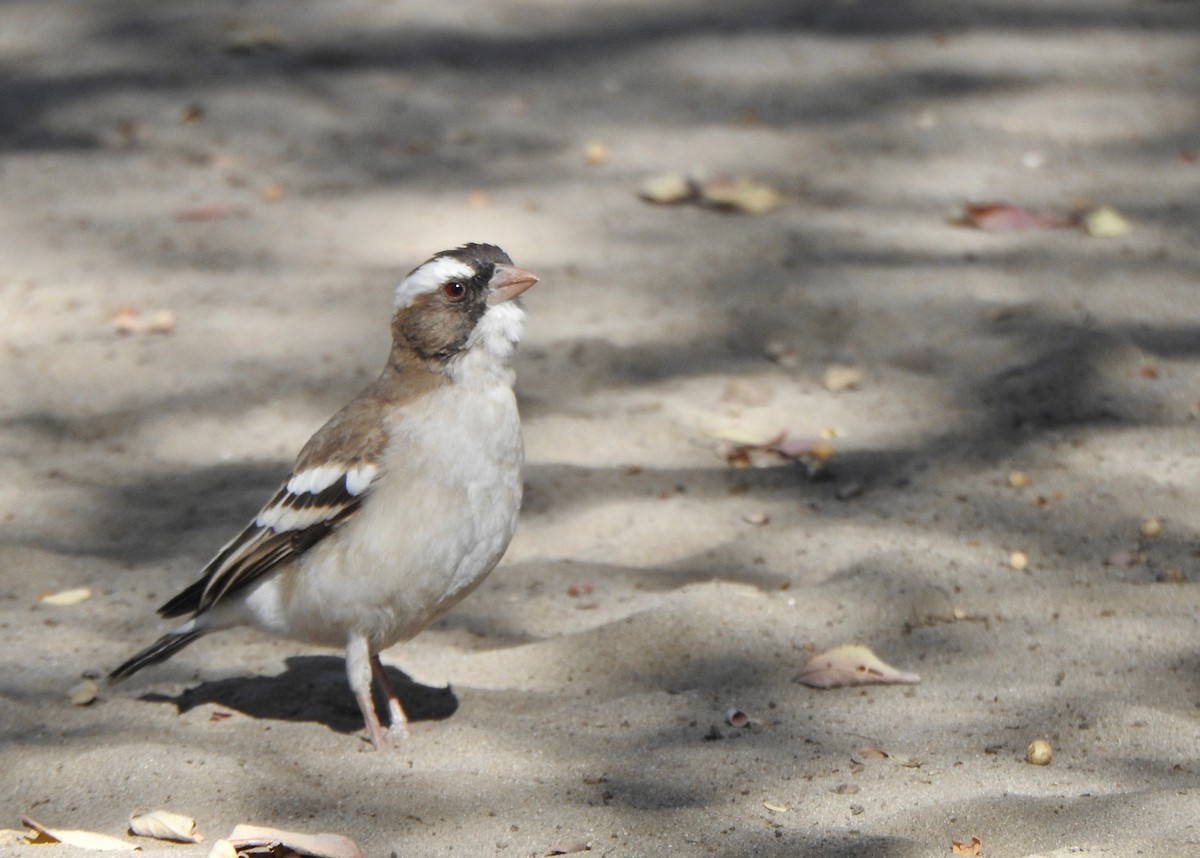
point(400, 505)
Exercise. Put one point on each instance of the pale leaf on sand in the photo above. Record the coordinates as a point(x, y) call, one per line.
point(66, 597)
point(222, 849)
point(851, 665)
point(89, 840)
point(85, 692)
point(740, 194)
point(164, 825)
point(315, 845)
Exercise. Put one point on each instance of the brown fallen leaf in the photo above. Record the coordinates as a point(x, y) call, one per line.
point(1006, 217)
point(89, 840)
point(740, 194)
point(273, 192)
point(870, 752)
point(206, 211)
point(668, 189)
point(748, 449)
point(246, 837)
point(596, 154)
point(66, 597)
point(164, 825)
point(129, 320)
point(569, 847)
point(974, 846)
point(851, 665)
point(1018, 479)
point(841, 377)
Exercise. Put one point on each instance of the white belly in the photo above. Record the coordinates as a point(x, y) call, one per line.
point(433, 527)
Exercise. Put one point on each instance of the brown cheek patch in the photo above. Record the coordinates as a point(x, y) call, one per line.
point(434, 327)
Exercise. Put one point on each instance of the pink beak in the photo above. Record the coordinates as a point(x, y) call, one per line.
point(508, 282)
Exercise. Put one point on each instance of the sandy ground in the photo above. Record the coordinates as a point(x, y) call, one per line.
point(267, 170)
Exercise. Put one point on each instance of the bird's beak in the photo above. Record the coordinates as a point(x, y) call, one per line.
point(508, 282)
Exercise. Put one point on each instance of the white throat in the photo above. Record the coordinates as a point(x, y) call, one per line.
point(490, 348)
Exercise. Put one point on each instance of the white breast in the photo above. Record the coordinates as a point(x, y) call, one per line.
point(436, 523)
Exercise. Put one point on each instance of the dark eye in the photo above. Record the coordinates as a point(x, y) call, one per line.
point(454, 290)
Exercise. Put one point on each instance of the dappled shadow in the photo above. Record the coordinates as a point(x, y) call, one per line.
point(1067, 377)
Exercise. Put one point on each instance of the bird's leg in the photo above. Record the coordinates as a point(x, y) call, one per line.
point(398, 721)
point(359, 664)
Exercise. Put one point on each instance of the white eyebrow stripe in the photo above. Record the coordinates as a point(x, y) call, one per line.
point(430, 276)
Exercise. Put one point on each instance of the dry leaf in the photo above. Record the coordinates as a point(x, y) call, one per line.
point(129, 320)
point(1171, 575)
point(1004, 217)
point(314, 845)
point(742, 448)
point(596, 153)
point(66, 597)
point(1106, 222)
point(740, 194)
point(206, 211)
point(668, 189)
point(273, 192)
point(869, 752)
point(1039, 753)
point(246, 38)
point(222, 849)
point(1018, 479)
point(1152, 528)
point(85, 692)
point(164, 825)
point(569, 847)
point(80, 839)
point(851, 665)
point(973, 847)
point(841, 377)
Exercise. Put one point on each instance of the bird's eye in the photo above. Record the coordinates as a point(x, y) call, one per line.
point(454, 290)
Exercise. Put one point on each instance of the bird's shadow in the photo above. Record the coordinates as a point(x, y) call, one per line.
point(312, 688)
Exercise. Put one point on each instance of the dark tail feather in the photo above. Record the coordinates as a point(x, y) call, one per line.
point(187, 602)
point(160, 650)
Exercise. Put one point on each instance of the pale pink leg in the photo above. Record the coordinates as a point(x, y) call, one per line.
point(360, 662)
point(398, 728)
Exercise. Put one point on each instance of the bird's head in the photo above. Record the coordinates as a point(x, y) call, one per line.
point(460, 301)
